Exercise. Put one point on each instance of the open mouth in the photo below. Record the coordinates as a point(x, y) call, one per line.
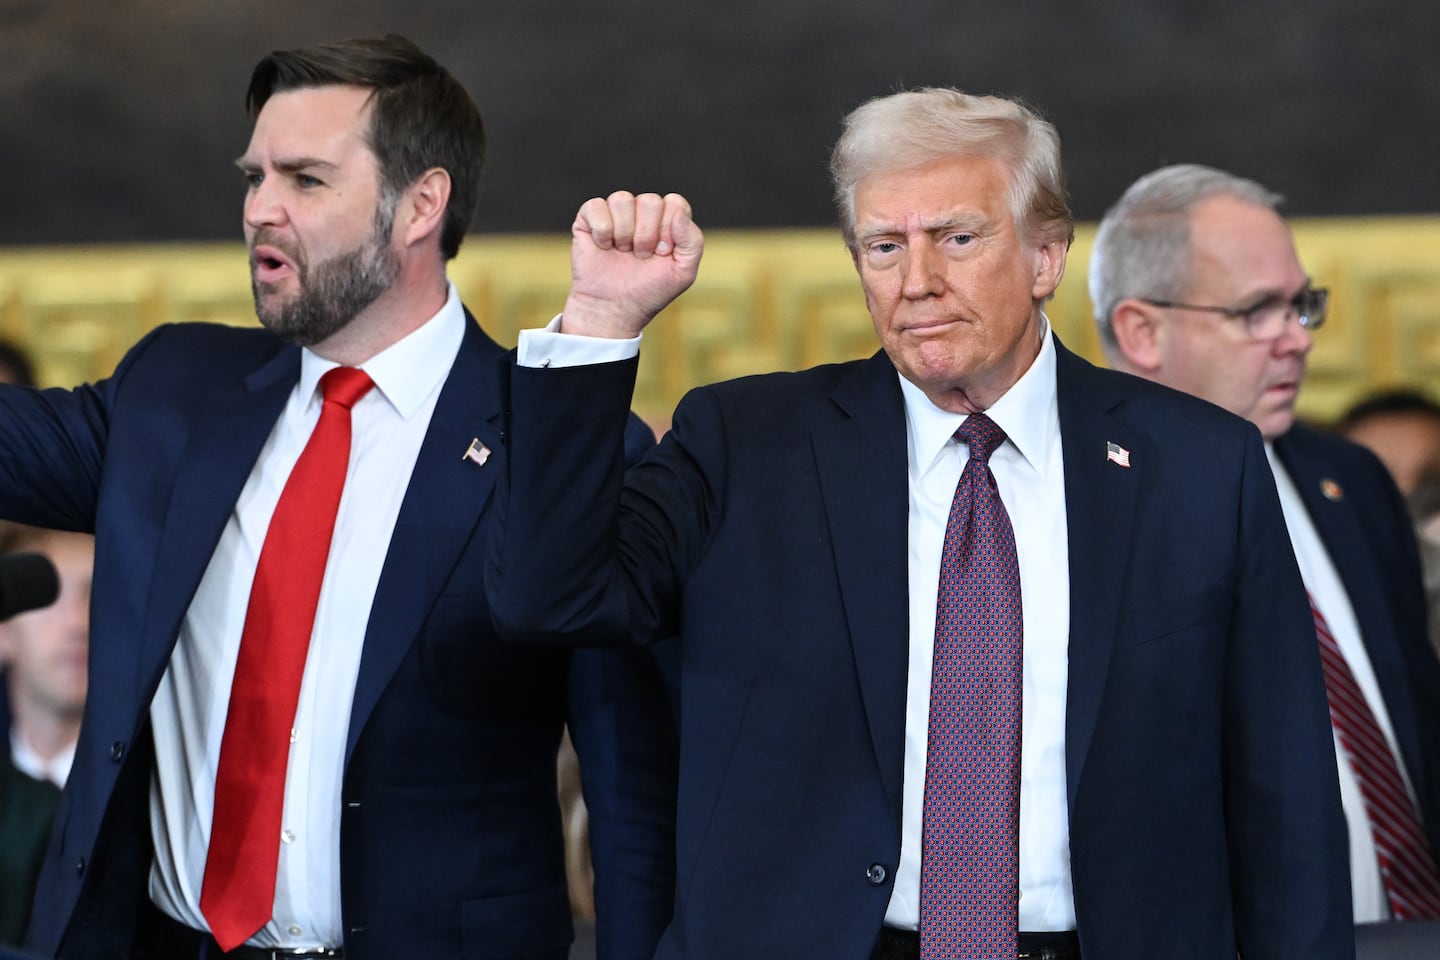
point(269, 265)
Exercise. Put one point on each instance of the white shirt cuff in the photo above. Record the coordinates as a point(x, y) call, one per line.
point(551, 348)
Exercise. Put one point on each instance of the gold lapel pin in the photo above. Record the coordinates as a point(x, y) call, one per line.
point(1331, 489)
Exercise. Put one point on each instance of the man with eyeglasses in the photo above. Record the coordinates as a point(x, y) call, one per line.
point(1196, 284)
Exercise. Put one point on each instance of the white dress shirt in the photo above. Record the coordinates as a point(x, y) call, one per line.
point(1321, 579)
point(189, 709)
point(1030, 474)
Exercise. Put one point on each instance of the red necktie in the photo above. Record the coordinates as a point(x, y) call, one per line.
point(969, 873)
point(238, 894)
point(1407, 868)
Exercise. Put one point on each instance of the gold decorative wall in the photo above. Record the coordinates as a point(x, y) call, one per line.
point(765, 300)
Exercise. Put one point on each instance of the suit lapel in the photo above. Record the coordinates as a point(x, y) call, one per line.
point(862, 464)
point(228, 429)
point(1099, 510)
point(438, 517)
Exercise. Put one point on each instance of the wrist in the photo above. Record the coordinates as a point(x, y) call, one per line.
point(587, 317)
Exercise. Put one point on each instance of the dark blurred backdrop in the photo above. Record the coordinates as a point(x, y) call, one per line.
point(120, 121)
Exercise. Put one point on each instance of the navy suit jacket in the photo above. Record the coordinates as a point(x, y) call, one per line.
point(1370, 537)
point(450, 837)
point(769, 530)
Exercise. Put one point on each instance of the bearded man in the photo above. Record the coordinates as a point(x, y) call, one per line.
point(302, 737)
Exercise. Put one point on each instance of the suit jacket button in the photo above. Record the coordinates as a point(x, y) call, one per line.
point(876, 874)
point(117, 751)
point(79, 866)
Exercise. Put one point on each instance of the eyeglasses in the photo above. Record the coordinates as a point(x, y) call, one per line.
point(1266, 320)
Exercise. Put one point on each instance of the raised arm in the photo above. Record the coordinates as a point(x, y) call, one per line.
point(631, 255)
point(575, 563)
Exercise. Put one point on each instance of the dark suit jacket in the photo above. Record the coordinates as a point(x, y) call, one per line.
point(769, 530)
point(1370, 538)
point(450, 836)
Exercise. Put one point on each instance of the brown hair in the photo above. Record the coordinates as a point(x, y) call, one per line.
point(421, 116)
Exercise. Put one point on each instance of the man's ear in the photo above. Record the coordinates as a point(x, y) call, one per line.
point(1138, 329)
point(1049, 268)
point(422, 210)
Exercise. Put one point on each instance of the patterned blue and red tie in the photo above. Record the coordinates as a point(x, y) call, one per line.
point(969, 874)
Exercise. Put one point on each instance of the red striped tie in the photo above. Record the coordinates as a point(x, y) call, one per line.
point(1407, 868)
point(238, 893)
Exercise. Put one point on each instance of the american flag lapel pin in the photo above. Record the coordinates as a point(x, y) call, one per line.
point(1117, 454)
point(477, 452)
point(1331, 490)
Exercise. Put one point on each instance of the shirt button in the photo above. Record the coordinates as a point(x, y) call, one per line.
point(287, 836)
point(875, 874)
point(294, 735)
point(294, 929)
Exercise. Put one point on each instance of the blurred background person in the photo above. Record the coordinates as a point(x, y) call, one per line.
point(1401, 426)
point(44, 681)
point(1196, 284)
point(15, 364)
point(1425, 506)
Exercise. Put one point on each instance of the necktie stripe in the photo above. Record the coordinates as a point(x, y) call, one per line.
point(1406, 861)
point(1390, 789)
point(1407, 865)
point(1392, 816)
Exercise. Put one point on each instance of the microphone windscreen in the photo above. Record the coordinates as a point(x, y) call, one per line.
point(28, 581)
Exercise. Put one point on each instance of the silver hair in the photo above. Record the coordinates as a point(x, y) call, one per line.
point(1142, 248)
point(912, 128)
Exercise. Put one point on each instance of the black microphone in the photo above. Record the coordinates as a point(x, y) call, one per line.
point(28, 581)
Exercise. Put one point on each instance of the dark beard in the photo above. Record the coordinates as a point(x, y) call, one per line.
point(332, 292)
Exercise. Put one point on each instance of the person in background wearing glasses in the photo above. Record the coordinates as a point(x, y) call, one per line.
point(1196, 285)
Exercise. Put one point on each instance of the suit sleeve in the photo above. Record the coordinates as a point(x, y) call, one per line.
point(585, 555)
point(52, 449)
point(624, 734)
point(1288, 855)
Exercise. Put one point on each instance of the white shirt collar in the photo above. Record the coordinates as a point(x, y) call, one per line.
point(56, 770)
point(1028, 413)
point(406, 372)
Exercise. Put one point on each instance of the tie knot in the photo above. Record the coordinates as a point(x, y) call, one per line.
point(345, 385)
point(981, 435)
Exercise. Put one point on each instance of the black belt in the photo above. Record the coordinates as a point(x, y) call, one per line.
point(905, 945)
point(161, 937)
